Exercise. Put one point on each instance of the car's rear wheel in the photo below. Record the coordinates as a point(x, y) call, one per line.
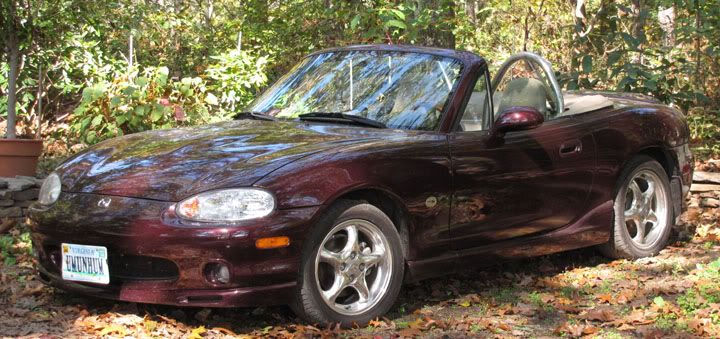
point(352, 266)
point(643, 211)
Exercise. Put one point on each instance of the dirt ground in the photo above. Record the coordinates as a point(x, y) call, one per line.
point(573, 294)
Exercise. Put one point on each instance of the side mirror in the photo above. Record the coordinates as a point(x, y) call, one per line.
point(517, 118)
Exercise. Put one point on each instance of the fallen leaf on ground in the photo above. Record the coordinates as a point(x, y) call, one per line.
point(605, 298)
point(197, 333)
point(112, 329)
point(604, 315)
point(33, 289)
point(575, 330)
point(523, 309)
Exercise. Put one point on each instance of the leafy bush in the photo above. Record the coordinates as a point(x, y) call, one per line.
point(704, 130)
point(140, 102)
point(236, 77)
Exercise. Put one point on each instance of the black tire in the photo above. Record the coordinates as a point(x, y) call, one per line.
point(620, 244)
point(309, 304)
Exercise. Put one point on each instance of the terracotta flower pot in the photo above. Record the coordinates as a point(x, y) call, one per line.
point(19, 156)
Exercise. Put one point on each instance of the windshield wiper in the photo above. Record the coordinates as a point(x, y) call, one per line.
point(334, 116)
point(254, 115)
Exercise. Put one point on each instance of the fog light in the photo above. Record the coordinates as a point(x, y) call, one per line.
point(217, 273)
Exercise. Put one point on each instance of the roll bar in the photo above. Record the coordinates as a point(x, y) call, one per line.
point(546, 67)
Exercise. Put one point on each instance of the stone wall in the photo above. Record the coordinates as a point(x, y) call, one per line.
point(16, 195)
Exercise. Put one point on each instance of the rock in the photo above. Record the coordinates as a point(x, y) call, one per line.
point(704, 187)
point(258, 311)
point(693, 201)
point(29, 194)
point(5, 194)
point(5, 225)
point(178, 315)
point(15, 184)
point(12, 212)
point(24, 204)
point(17, 312)
point(203, 314)
point(3, 184)
point(6, 202)
point(708, 194)
point(711, 177)
point(710, 202)
point(37, 182)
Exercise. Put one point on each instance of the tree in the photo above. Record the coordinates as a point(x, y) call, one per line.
point(11, 26)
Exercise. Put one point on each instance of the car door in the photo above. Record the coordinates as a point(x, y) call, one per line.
point(523, 184)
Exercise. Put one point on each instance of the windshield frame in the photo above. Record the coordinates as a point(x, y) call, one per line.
point(469, 64)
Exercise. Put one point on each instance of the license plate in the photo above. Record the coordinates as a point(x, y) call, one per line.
point(85, 263)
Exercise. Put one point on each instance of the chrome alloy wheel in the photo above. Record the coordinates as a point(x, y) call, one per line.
point(646, 207)
point(353, 267)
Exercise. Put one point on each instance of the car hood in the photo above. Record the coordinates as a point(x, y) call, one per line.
point(171, 165)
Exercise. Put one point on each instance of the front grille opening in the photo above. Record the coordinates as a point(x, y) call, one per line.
point(122, 267)
point(135, 267)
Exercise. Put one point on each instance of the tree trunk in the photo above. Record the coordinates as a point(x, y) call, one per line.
point(13, 61)
point(13, 53)
point(666, 19)
point(470, 8)
point(699, 82)
point(41, 77)
point(638, 28)
point(577, 47)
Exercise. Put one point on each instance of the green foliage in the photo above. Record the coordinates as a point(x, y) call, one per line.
point(613, 45)
point(705, 126)
point(704, 294)
point(139, 102)
point(3, 84)
point(13, 246)
point(236, 77)
point(6, 243)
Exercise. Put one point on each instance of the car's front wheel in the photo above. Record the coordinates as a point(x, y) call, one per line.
point(643, 211)
point(352, 266)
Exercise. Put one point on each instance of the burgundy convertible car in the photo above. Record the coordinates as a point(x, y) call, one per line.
point(364, 167)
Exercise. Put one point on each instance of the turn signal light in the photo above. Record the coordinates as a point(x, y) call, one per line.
point(273, 242)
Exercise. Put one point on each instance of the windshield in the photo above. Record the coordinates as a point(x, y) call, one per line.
point(398, 89)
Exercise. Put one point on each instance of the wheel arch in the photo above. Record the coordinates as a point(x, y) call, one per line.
point(387, 202)
point(666, 159)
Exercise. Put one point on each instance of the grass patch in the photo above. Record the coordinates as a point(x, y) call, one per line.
point(505, 295)
point(15, 245)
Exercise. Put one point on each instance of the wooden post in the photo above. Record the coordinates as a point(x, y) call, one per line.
point(699, 83)
point(130, 55)
point(239, 41)
point(41, 77)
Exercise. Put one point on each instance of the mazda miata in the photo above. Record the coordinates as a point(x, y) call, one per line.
point(362, 168)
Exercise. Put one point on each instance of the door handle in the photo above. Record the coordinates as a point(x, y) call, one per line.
point(570, 148)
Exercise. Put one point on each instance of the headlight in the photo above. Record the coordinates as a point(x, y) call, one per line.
point(227, 205)
point(50, 190)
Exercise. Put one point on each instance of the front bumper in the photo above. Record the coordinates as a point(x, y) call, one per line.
point(144, 292)
point(681, 179)
point(154, 258)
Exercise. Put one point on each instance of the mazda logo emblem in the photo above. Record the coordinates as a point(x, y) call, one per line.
point(104, 202)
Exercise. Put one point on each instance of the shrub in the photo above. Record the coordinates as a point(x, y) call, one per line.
point(138, 102)
point(704, 131)
point(236, 77)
